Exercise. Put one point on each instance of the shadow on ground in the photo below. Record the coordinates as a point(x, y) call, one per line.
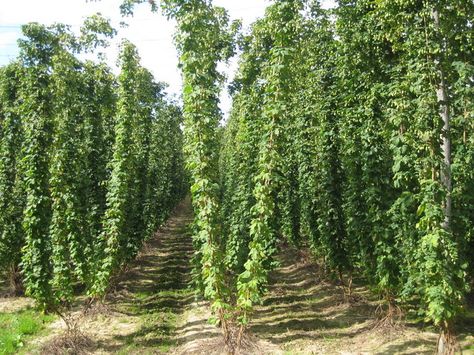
point(155, 290)
point(304, 314)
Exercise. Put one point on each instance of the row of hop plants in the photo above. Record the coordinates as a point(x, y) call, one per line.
point(91, 164)
point(350, 135)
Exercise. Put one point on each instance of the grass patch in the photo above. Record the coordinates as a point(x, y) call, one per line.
point(155, 334)
point(17, 327)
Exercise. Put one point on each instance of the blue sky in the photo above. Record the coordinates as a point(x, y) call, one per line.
point(8, 47)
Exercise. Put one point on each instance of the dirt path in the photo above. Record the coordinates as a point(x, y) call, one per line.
point(152, 298)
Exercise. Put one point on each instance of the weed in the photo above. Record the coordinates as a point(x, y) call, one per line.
point(18, 326)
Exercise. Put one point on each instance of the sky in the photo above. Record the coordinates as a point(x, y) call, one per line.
point(151, 32)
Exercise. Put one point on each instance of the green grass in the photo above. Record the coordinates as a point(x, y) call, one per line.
point(156, 333)
point(16, 327)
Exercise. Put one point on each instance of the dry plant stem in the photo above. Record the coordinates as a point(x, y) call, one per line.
point(231, 339)
point(16, 284)
point(67, 318)
point(389, 318)
point(241, 333)
point(73, 340)
point(349, 286)
point(231, 332)
point(224, 328)
point(226, 332)
point(447, 343)
point(94, 306)
point(347, 290)
point(240, 340)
